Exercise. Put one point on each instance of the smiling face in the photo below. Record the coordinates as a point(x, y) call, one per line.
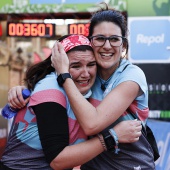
point(83, 69)
point(107, 56)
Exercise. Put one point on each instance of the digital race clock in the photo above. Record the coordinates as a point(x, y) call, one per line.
point(17, 29)
point(79, 28)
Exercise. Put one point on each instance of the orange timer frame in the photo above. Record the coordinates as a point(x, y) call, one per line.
point(79, 28)
point(18, 29)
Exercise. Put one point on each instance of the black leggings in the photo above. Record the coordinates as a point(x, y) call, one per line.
point(3, 167)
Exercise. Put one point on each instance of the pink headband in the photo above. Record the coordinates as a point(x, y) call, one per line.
point(74, 41)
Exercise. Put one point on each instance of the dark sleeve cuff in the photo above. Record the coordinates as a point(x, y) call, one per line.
point(53, 128)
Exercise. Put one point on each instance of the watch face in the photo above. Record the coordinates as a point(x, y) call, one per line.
point(65, 76)
point(109, 141)
point(62, 77)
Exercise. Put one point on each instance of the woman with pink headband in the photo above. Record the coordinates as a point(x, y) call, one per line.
point(46, 134)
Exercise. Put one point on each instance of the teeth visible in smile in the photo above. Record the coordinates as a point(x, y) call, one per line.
point(107, 55)
point(83, 82)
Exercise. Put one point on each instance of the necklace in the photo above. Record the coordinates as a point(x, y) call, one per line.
point(103, 87)
point(104, 83)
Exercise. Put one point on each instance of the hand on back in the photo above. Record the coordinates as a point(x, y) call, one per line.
point(15, 98)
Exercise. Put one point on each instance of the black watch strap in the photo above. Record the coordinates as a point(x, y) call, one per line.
point(109, 141)
point(62, 77)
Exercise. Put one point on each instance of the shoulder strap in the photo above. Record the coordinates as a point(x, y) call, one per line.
point(125, 67)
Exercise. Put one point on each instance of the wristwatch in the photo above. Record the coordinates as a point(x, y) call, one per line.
point(109, 141)
point(62, 77)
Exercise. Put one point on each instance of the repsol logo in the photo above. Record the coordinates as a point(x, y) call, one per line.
point(150, 39)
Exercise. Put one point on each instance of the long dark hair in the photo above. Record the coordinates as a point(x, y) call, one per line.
point(38, 71)
point(109, 15)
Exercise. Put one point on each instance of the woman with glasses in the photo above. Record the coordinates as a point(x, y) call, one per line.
point(120, 90)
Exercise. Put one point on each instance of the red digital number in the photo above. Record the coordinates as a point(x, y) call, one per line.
point(50, 28)
point(11, 29)
point(27, 29)
point(19, 29)
point(34, 31)
point(41, 29)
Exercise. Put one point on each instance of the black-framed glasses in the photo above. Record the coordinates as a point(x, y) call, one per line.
point(99, 40)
